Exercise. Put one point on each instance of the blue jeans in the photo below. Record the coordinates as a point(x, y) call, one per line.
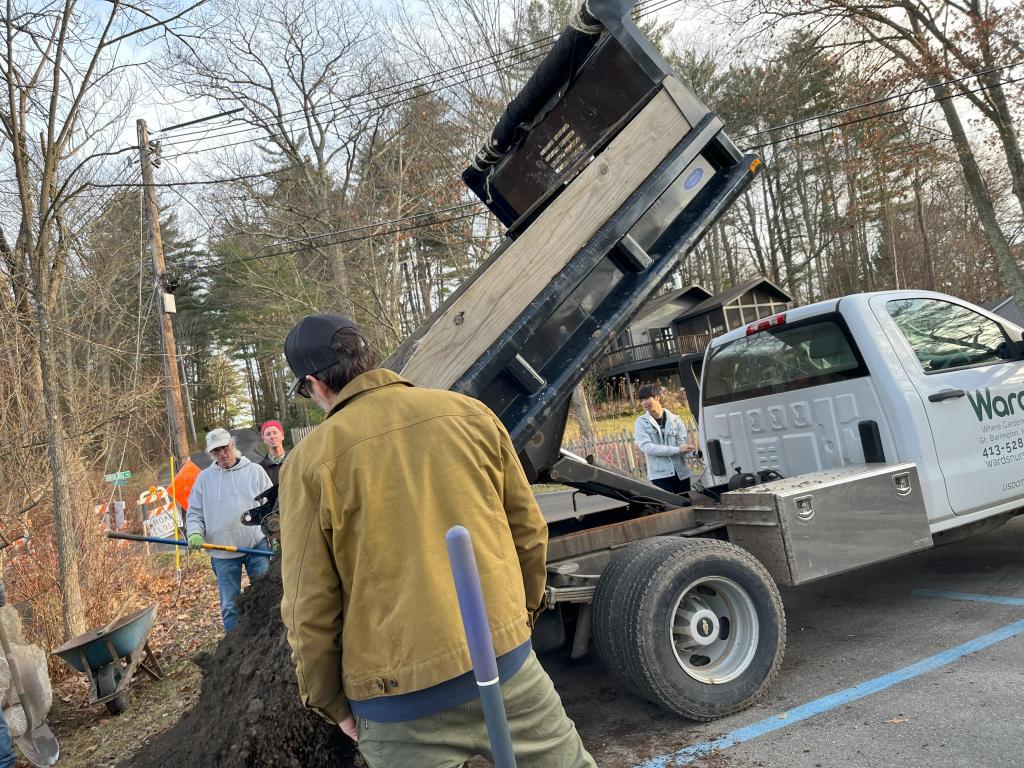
point(229, 582)
point(6, 751)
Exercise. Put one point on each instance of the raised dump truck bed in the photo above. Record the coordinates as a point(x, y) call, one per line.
point(606, 170)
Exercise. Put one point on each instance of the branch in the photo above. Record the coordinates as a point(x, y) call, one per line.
point(157, 23)
point(95, 428)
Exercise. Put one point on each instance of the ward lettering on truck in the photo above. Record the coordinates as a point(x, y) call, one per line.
point(987, 407)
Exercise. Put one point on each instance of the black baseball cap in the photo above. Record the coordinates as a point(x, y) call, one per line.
point(308, 345)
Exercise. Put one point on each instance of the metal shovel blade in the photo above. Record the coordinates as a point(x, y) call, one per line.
point(39, 746)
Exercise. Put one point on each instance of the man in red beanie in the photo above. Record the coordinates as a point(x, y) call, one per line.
point(273, 436)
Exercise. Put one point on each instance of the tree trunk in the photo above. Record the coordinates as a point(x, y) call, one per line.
point(711, 248)
point(1013, 277)
point(339, 281)
point(581, 407)
point(1001, 113)
point(755, 239)
point(771, 220)
point(730, 257)
point(72, 605)
point(926, 243)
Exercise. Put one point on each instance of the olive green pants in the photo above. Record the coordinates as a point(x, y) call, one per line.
point(542, 735)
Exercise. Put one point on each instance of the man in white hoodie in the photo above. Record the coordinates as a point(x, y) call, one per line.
point(222, 492)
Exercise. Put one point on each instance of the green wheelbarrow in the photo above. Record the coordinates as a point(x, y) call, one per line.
point(110, 655)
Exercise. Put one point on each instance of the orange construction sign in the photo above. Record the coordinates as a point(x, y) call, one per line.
point(181, 486)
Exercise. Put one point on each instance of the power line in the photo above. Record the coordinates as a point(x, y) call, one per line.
point(430, 83)
point(199, 120)
point(874, 102)
point(374, 225)
point(770, 129)
point(415, 94)
point(875, 116)
point(824, 129)
point(369, 106)
point(323, 239)
point(396, 230)
point(507, 56)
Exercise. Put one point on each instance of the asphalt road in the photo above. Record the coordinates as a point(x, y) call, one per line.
point(915, 663)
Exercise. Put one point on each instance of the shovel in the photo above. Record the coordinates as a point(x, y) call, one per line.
point(183, 543)
point(37, 744)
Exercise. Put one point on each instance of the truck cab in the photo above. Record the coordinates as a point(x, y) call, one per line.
point(893, 376)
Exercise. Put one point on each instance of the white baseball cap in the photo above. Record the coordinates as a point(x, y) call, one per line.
point(217, 438)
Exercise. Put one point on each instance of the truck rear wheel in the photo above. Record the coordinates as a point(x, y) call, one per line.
point(706, 630)
point(615, 586)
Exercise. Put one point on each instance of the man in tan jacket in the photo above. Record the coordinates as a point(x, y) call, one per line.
point(369, 602)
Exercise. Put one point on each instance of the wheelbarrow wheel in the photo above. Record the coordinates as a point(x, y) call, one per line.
point(106, 682)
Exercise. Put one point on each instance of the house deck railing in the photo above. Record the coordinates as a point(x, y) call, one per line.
point(673, 346)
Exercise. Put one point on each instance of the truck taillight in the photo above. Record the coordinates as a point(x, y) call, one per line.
point(766, 323)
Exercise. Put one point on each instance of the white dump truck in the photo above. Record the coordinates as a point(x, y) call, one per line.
point(836, 435)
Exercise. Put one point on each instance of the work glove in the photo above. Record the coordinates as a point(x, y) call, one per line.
point(195, 541)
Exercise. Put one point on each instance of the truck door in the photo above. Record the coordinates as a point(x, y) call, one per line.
point(969, 376)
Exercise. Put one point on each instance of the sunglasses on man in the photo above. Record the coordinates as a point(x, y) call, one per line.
point(300, 386)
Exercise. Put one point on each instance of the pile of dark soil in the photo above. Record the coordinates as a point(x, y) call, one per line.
point(248, 714)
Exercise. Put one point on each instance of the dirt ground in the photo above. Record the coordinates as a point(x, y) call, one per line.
point(188, 622)
point(248, 713)
point(223, 718)
point(230, 727)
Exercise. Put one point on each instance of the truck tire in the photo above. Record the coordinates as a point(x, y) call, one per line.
point(619, 581)
point(106, 683)
point(708, 630)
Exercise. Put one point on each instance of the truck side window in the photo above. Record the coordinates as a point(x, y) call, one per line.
point(944, 335)
point(781, 359)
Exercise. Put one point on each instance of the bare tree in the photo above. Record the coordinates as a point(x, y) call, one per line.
point(65, 74)
point(302, 74)
point(954, 48)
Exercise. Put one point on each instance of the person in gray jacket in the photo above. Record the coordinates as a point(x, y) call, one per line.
point(222, 492)
point(661, 435)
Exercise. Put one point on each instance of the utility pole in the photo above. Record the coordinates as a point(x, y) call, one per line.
point(165, 307)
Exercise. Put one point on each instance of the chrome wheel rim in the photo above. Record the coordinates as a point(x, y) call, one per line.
point(714, 630)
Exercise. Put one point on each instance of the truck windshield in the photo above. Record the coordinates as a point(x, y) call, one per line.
point(780, 360)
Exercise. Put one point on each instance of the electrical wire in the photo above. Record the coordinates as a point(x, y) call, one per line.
point(880, 100)
point(508, 56)
point(325, 239)
point(771, 129)
point(396, 230)
point(877, 115)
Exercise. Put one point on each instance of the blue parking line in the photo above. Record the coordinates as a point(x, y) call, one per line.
point(997, 599)
point(688, 754)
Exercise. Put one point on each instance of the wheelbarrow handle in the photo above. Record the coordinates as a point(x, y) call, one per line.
point(182, 543)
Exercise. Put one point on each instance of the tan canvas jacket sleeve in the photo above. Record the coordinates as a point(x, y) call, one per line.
point(312, 602)
point(529, 530)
